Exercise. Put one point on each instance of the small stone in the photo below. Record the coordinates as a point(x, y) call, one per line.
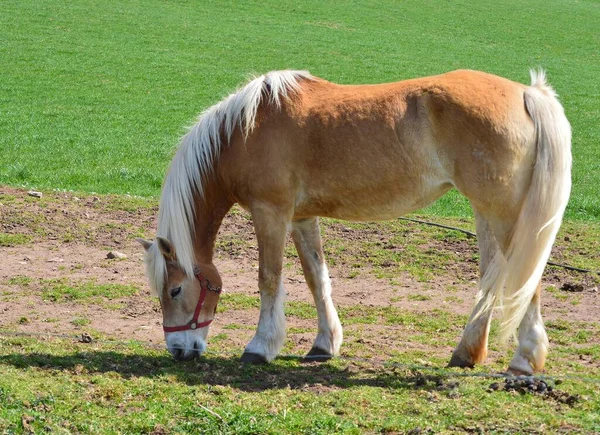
point(35, 194)
point(95, 198)
point(55, 260)
point(86, 338)
point(116, 254)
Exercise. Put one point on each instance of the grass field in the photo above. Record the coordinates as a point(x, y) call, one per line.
point(94, 96)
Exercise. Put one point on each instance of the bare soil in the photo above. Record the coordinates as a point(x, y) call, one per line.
point(70, 237)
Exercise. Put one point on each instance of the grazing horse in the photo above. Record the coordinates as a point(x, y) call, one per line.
point(290, 147)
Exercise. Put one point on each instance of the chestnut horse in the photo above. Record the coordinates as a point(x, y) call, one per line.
point(290, 147)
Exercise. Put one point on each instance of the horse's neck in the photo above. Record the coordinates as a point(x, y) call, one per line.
point(210, 211)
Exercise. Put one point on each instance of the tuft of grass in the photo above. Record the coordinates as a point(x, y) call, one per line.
point(8, 240)
point(237, 301)
point(80, 321)
point(59, 290)
point(19, 280)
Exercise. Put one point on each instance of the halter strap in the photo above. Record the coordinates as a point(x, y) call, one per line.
point(204, 288)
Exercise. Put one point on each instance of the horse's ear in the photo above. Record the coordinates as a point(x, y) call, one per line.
point(166, 248)
point(147, 244)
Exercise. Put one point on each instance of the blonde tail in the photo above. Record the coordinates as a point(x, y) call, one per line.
point(513, 279)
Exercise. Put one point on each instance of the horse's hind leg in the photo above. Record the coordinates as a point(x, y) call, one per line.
point(493, 239)
point(533, 341)
point(307, 239)
point(270, 223)
point(472, 348)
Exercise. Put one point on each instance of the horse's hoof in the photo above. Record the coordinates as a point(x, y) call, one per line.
point(457, 361)
point(317, 355)
point(253, 358)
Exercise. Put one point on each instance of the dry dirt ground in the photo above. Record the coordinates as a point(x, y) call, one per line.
point(68, 237)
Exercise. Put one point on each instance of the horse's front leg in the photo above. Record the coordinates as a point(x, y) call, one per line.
point(270, 224)
point(307, 239)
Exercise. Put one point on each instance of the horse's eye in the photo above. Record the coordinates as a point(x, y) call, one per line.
point(175, 292)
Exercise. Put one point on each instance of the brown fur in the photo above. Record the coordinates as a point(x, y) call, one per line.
point(366, 152)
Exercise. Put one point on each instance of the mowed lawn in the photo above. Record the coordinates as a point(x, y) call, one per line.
point(94, 95)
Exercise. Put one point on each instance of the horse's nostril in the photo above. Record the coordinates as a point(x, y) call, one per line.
point(177, 353)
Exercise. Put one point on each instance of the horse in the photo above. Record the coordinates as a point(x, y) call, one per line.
point(290, 147)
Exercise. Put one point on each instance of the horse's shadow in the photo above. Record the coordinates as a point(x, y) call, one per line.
point(228, 371)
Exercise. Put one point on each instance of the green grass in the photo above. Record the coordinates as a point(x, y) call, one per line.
point(59, 290)
point(60, 386)
point(94, 96)
point(7, 240)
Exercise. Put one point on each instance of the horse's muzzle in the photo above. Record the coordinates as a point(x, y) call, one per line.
point(182, 352)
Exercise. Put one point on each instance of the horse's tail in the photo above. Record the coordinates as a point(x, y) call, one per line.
point(514, 277)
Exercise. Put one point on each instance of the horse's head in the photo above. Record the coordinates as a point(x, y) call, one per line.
point(188, 301)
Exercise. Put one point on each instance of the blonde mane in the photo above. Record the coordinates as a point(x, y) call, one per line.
point(198, 151)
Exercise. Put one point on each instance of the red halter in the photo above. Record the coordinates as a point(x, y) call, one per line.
point(204, 288)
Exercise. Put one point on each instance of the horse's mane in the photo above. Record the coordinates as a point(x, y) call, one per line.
point(198, 151)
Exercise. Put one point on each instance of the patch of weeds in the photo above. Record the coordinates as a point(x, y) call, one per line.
point(419, 297)
point(9, 240)
point(453, 299)
point(23, 320)
point(353, 274)
point(68, 237)
point(81, 321)
point(233, 326)
point(583, 336)
point(358, 314)
point(7, 199)
point(19, 280)
point(237, 301)
point(301, 310)
point(558, 325)
point(219, 338)
point(86, 292)
point(298, 330)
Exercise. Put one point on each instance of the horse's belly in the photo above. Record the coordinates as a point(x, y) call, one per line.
point(370, 202)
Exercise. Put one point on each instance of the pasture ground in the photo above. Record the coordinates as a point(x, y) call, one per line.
point(403, 292)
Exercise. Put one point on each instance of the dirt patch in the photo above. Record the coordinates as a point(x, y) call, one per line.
point(70, 237)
